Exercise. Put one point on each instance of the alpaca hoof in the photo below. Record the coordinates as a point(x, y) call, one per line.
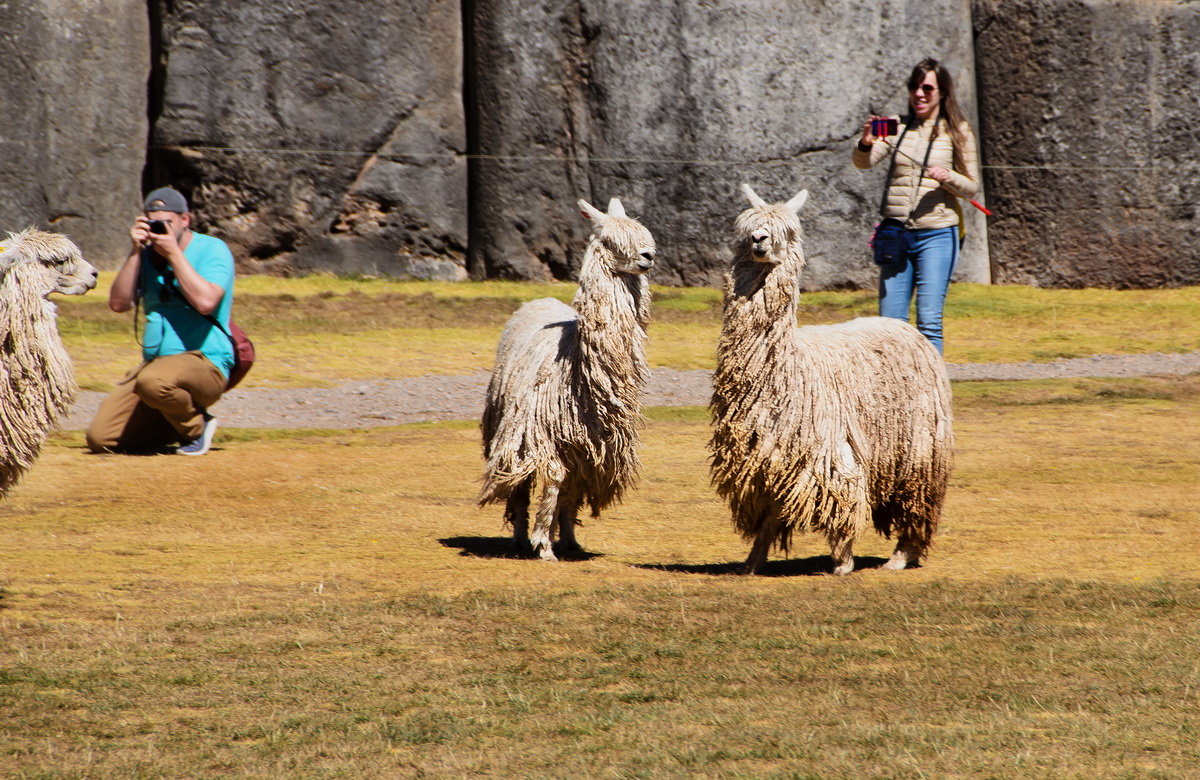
point(903, 559)
point(571, 551)
point(546, 553)
point(522, 547)
point(842, 569)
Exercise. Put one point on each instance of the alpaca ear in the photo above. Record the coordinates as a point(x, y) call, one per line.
point(615, 209)
point(752, 196)
point(590, 211)
point(796, 203)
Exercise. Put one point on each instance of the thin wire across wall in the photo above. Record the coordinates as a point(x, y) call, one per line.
point(407, 157)
point(402, 157)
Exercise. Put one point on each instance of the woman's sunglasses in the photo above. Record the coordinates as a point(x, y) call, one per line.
point(928, 89)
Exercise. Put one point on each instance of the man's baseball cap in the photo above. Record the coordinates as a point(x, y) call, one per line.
point(166, 199)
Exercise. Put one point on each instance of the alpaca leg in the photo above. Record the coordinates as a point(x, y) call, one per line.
point(516, 512)
point(909, 550)
point(914, 532)
point(542, 537)
point(841, 548)
point(762, 546)
point(569, 499)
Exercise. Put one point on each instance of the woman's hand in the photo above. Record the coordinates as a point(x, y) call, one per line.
point(868, 137)
point(938, 174)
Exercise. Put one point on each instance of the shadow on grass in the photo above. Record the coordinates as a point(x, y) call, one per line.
point(137, 453)
point(502, 547)
point(795, 567)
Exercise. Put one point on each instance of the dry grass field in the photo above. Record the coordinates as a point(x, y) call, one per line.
point(331, 604)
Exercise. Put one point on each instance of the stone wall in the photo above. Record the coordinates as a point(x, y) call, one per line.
point(73, 125)
point(1090, 110)
point(345, 125)
point(671, 105)
point(428, 137)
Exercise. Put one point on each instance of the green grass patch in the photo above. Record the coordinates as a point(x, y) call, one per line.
point(982, 395)
point(692, 414)
point(986, 323)
point(323, 330)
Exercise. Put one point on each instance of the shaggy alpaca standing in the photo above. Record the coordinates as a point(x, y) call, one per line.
point(36, 380)
point(564, 403)
point(823, 428)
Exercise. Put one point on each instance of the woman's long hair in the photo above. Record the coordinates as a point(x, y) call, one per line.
point(948, 109)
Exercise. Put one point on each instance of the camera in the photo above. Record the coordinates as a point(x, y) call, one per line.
point(883, 126)
point(158, 227)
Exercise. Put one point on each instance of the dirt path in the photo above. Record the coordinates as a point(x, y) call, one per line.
point(374, 403)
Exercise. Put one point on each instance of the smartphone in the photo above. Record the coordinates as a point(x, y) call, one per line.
point(158, 226)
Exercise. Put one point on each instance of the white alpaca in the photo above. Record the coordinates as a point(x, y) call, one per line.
point(36, 381)
point(564, 403)
point(827, 428)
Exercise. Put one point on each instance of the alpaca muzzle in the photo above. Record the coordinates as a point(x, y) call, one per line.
point(760, 241)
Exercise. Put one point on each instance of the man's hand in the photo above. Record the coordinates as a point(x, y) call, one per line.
point(166, 245)
point(140, 232)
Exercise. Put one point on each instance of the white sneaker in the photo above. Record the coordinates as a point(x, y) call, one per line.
point(201, 443)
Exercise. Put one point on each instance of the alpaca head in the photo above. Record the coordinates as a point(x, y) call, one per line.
point(628, 246)
point(770, 233)
point(45, 263)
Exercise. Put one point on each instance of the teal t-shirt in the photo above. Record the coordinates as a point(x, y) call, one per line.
point(172, 325)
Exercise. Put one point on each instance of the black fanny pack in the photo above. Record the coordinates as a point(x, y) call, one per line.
point(891, 242)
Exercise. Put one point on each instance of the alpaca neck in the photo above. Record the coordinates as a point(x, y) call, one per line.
point(613, 312)
point(30, 345)
point(760, 307)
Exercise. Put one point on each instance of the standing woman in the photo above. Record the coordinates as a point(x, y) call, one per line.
point(936, 165)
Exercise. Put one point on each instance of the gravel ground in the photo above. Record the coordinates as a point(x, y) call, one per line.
point(367, 404)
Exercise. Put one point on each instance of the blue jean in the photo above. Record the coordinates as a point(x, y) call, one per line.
point(926, 269)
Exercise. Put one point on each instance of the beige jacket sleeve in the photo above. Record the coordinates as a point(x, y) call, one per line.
point(877, 153)
point(966, 185)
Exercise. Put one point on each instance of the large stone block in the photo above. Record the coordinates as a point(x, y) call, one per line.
point(671, 105)
point(318, 136)
point(73, 125)
point(1090, 110)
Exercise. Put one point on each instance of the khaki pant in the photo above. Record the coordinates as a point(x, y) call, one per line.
point(160, 402)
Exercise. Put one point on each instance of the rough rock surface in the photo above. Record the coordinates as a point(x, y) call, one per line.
point(1101, 100)
point(73, 127)
point(346, 127)
point(671, 105)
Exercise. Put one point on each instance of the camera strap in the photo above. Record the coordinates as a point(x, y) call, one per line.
point(887, 182)
point(169, 290)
